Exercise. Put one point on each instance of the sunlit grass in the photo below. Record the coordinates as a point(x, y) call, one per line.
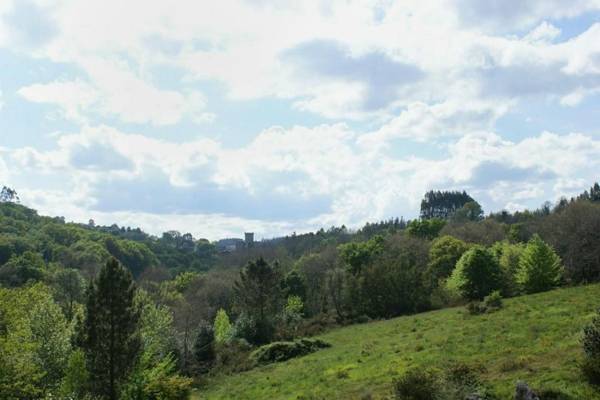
point(533, 338)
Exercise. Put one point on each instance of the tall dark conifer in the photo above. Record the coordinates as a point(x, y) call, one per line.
point(112, 340)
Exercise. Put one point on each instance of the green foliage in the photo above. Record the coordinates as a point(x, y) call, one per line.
point(477, 274)
point(68, 285)
point(281, 351)
point(257, 293)
point(222, 327)
point(76, 377)
point(418, 384)
point(112, 341)
point(540, 268)
point(490, 303)
point(425, 228)
point(443, 204)
point(591, 349)
point(34, 342)
point(19, 270)
point(291, 317)
point(204, 350)
point(470, 211)
point(391, 286)
point(356, 255)
point(444, 253)
point(508, 256)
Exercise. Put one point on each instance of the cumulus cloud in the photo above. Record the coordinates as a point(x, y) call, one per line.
point(301, 177)
point(435, 77)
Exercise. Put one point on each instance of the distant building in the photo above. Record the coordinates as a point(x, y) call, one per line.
point(229, 245)
point(232, 244)
point(249, 239)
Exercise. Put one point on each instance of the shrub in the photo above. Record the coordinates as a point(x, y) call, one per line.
point(490, 303)
point(233, 357)
point(418, 384)
point(591, 350)
point(540, 267)
point(282, 351)
point(493, 301)
point(458, 381)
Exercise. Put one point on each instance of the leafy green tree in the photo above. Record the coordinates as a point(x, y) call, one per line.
point(508, 256)
point(222, 327)
point(155, 375)
point(257, 292)
point(470, 211)
point(444, 253)
point(356, 255)
point(112, 339)
point(540, 267)
point(393, 285)
point(68, 285)
point(477, 274)
point(19, 270)
point(293, 285)
point(74, 383)
point(34, 342)
point(425, 228)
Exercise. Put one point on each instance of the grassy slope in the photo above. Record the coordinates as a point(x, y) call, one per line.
point(534, 338)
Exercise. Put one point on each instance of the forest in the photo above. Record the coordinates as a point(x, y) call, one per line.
point(110, 312)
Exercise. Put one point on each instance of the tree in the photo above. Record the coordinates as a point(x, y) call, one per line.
point(204, 350)
point(443, 256)
point(112, 340)
point(8, 195)
point(470, 211)
point(222, 327)
point(443, 204)
point(425, 228)
point(477, 274)
point(68, 289)
point(358, 254)
point(257, 293)
point(540, 267)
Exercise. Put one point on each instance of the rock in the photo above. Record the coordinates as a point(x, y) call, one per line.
point(523, 392)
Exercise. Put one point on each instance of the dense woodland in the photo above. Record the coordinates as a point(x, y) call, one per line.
point(107, 312)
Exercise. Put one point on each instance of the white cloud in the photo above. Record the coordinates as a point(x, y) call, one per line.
point(544, 32)
point(302, 163)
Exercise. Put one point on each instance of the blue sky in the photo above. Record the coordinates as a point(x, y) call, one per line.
point(283, 116)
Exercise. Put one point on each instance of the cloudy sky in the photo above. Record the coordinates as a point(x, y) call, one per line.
point(218, 117)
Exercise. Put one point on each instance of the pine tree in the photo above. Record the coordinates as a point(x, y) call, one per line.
point(540, 268)
point(257, 293)
point(112, 340)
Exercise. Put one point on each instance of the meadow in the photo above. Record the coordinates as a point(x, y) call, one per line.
point(535, 338)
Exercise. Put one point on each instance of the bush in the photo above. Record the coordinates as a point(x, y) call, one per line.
point(458, 381)
point(591, 349)
point(418, 384)
point(493, 301)
point(282, 351)
point(233, 357)
point(490, 303)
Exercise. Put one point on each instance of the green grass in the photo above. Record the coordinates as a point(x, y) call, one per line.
point(533, 338)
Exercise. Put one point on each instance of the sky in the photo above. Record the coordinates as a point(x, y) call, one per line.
point(217, 118)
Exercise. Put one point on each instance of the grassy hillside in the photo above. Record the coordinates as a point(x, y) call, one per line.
point(534, 338)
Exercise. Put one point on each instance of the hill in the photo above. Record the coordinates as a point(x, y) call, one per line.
point(533, 338)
